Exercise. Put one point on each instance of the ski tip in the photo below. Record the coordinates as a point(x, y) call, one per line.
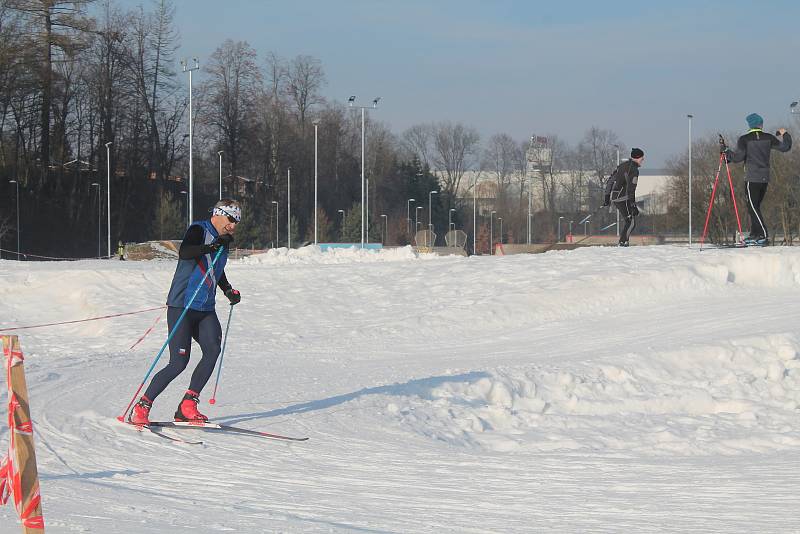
point(121, 418)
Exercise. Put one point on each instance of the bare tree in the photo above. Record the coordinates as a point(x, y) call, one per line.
point(455, 149)
point(599, 149)
point(231, 93)
point(500, 158)
point(417, 142)
point(276, 74)
point(304, 79)
point(54, 26)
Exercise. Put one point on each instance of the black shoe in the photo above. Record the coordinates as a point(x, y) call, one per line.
point(623, 243)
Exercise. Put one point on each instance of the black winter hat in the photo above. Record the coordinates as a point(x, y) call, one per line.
point(637, 153)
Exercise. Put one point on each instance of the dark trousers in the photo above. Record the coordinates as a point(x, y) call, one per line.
point(755, 194)
point(627, 220)
point(204, 328)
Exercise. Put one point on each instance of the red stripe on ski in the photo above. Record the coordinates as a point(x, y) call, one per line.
point(225, 428)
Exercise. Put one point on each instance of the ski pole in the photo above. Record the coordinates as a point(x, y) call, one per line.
point(711, 202)
point(171, 334)
point(213, 398)
point(591, 215)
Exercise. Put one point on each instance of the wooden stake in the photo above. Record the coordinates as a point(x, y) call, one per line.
point(24, 453)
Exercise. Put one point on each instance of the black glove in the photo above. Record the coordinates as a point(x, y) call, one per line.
point(223, 240)
point(723, 146)
point(633, 210)
point(606, 201)
point(234, 296)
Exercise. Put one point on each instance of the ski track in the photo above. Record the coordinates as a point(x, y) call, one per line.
point(653, 389)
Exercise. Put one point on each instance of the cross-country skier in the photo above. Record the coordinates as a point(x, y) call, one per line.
point(202, 242)
point(754, 149)
point(623, 193)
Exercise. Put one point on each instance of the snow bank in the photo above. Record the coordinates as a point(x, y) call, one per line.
point(313, 255)
point(729, 398)
point(594, 390)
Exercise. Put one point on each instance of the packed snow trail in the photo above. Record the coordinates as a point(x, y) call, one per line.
point(650, 389)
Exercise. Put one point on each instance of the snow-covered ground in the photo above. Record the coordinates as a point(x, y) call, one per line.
point(649, 389)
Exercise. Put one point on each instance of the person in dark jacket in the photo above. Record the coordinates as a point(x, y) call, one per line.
point(204, 241)
point(754, 149)
point(623, 193)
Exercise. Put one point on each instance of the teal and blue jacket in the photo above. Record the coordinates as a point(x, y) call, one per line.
point(192, 267)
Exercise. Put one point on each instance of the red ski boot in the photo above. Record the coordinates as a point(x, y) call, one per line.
point(187, 409)
point(141, 412)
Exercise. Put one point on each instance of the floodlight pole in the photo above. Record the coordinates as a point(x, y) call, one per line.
point(188, 69)
point(617, 147)
point(374, 105)
point(220, 173)
point(690, 117)
point(108, 194)
point(316, 150)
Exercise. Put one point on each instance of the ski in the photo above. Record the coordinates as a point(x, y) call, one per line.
point(140, 428)
point(222, 428)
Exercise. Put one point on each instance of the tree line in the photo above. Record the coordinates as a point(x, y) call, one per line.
point(90, 86)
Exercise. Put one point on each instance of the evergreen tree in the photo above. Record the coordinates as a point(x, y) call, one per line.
point(482, 242)
point(351, 229)
point(294, 228)
point(325, 229)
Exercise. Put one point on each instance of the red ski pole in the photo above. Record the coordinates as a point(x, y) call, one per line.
point(711, 203)
point(213, 398)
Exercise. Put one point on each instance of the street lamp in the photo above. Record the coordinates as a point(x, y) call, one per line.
point(385, 229)
point(450, 219)
point(187, 202)
point(351, 102)
point(16, 186)
point(289, 207)
point(559, 229)
point(108, 194)
point(316, 151)
point(277, 229)
point(416, 218)
point(408, 213)
point(617, 147)
point(690, 117)
point(188, 69)
point(529, 215)
point(491, 232)
point(98, 217)
point(220, 173)
point(430, 204)
point(501, 229)
point(341, 227)
point(475, 216)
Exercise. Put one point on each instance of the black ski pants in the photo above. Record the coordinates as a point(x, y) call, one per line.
point(204, 328)
point(755, 194)
point(628, 221)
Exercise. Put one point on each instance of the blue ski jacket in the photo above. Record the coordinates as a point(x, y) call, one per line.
point(189, 273)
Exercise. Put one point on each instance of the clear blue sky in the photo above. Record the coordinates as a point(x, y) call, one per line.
point(525, 67)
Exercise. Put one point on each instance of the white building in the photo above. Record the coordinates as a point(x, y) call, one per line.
point(650, 192)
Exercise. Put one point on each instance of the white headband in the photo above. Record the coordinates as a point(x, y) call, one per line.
point(228, 211)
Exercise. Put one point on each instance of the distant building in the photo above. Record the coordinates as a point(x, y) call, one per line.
point(651, 191)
